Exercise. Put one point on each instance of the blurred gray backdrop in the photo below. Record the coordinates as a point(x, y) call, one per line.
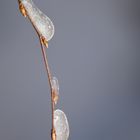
point(95, 56)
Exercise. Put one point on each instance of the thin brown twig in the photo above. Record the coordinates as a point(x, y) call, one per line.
point(49, 79)
point(48, 72)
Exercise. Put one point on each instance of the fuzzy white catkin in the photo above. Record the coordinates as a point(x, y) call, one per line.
point(61, 125)
point(55, 84)
point(42, 23)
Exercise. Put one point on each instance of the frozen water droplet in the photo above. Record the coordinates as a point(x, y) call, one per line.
point(61, 125)
point(42, 23)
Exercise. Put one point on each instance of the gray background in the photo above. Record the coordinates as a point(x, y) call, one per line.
point(94, 54)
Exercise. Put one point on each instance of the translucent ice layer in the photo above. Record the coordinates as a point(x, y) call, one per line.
point(61, 125)
point(42, 23)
